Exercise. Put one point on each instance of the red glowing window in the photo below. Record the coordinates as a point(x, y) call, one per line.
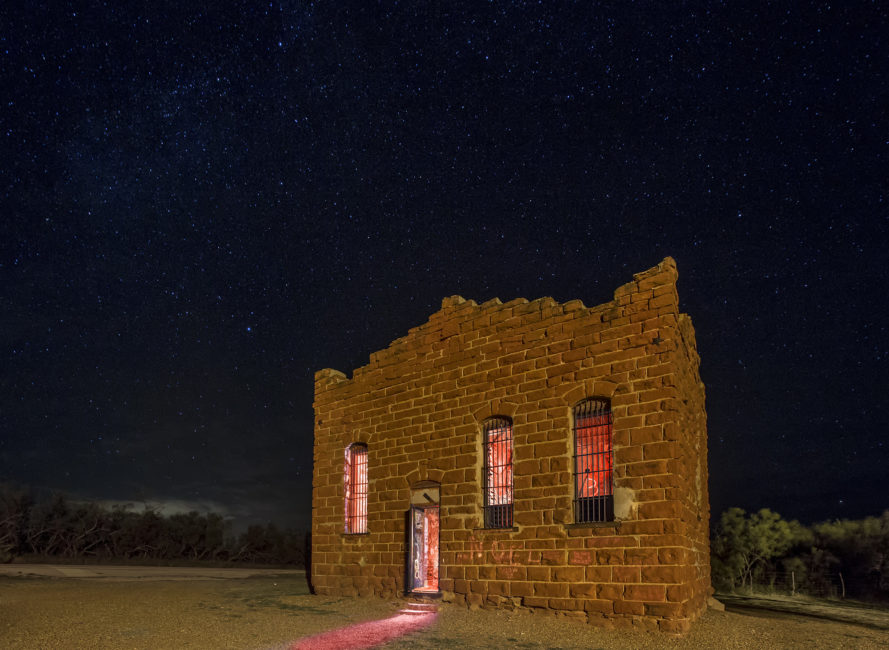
point(593, 462)
point(498, 473)
point(356, 488)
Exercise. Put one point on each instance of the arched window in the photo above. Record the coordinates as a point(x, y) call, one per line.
point(593, 462)
point(356, 488)
point(498, 472)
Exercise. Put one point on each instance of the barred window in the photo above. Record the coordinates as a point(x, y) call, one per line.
point(356, 488)
point(593, 462)
point(498, 473)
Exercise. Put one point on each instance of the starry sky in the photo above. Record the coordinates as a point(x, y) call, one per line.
point(203, 203)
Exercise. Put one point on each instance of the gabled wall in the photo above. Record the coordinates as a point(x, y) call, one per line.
point(419, 405)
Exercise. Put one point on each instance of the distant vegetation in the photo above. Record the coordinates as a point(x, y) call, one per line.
point(58, 527)
point(761, 551)
point(749, 552)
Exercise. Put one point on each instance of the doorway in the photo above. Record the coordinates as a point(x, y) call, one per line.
point(423, 556)
point(421, 528)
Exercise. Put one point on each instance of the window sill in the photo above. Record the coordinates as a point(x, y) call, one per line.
point(511, 529)
point(594, 524)
point(354, 536)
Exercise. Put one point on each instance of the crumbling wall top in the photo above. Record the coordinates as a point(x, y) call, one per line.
point(456, 309)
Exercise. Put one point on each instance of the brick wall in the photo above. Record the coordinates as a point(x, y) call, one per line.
point(419, 406)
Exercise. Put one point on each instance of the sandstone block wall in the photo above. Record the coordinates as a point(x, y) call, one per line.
point(419, 406)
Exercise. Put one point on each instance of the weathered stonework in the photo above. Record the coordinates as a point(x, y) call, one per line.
point(419, 405)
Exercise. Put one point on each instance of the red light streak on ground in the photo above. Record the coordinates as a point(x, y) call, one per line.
point(371, 633)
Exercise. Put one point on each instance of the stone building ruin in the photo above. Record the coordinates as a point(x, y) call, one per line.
point(523, 454)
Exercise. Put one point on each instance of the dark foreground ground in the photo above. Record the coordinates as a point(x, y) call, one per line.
point(163, 607)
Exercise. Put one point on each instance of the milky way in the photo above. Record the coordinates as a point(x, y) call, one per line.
point(201, 206)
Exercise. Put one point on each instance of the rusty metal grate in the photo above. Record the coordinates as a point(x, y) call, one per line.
point(356, 488)
point(498, 473)
point(593, 462)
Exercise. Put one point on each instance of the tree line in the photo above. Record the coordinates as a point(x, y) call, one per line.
point(847, 558)
point(756, 550)
point(59, 527)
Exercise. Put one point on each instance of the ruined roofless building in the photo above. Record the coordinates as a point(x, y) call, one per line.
point(526, 454)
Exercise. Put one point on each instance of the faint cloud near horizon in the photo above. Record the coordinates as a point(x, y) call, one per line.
point(169, 507)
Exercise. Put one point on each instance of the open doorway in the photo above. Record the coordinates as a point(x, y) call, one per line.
point(423, 539)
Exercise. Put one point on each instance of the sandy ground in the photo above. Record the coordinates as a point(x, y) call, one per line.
point(190, 609)
point(138, 573)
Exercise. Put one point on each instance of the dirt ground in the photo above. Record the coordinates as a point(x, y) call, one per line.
point(269, 612)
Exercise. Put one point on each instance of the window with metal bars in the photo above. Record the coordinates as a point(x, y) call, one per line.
point(498, 472)
point(356, 488)
point(593, 462)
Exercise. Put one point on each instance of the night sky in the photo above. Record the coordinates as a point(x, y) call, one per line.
point(201, 204)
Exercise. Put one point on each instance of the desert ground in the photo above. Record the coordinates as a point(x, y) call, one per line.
point(244, 609)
